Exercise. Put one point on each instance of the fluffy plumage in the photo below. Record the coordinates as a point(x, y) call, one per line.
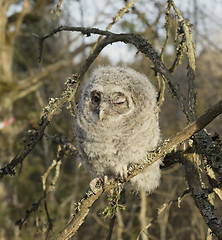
point(117, 124)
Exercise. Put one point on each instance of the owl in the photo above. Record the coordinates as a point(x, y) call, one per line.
point(117, 124)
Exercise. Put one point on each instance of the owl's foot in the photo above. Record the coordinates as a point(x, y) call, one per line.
point(123, 173)
point(95, 184)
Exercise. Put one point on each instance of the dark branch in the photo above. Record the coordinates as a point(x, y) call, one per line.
point(48, 112)
point(9, 168)
point(34, 207)
point(140, 43)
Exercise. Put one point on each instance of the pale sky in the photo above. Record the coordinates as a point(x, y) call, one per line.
point(208, 22)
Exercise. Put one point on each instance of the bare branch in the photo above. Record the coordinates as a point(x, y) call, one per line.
point(19, 21)
point(140, 43)
point(186, 26)
point(48, 112)
point(9, 168)
point(119, 15)
point(178, 200)
point(83, 206)
point(46, 190)
point(28, 212)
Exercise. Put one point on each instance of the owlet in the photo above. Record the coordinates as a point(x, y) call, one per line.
point(117, 124)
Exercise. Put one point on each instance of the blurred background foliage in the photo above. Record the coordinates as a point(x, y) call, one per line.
point(26, 85)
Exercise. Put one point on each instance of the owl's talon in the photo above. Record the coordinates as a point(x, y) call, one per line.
point(95, 184)
point(123, 173)
point(105, 180)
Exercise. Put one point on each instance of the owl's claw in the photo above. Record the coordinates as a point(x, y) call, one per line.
point(105, 180)
point(95, 184)
point(123, 173)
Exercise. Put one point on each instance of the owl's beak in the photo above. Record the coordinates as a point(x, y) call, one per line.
point(101, 114)
point(103, 111)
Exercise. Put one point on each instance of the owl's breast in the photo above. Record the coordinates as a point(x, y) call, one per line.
point(110, 146)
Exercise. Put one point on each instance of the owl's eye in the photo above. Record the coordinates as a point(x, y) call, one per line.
point(119, 99)
point(96, 97)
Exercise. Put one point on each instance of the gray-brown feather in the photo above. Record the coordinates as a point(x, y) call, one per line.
point(117, 124)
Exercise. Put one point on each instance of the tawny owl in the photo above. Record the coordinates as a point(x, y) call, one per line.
point(117, 124)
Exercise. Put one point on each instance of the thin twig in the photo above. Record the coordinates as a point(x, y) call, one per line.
point(111, 226)
point(35, 206)
point(119, 15)
point(9, 168)
point(28, 212)
point(164, 206)
point(48, 112)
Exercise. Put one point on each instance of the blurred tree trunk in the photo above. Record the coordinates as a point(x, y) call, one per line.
point(6, 48)
point(143, 215)
point(6, 79)
point(11, 86)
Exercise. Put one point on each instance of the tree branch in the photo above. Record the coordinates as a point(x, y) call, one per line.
point(19, 22)
point(145, 47)
point(9, 168)
point(48, 112)
point(139, 42)
point(83, 206)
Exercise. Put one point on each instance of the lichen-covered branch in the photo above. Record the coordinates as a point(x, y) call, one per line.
point(47, 188)
point(8, 169)
point(48, 112)
point(200, 195)
point(119, 15)
point(186, 27)
point(213, 156)
point(83, 206)
point(139, 42)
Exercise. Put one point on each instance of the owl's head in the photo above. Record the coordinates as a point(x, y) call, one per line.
point(112, 93)
point(109, 104)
